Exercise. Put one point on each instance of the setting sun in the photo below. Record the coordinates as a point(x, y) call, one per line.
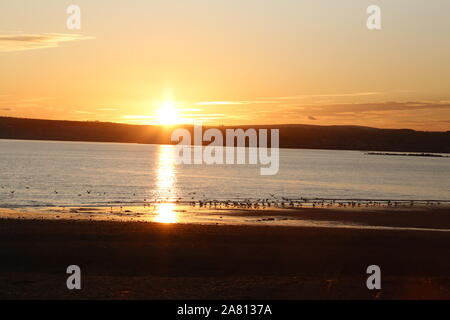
point(167, 114)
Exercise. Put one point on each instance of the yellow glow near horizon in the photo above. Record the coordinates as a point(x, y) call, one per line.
point(229, 69)
point(167, 114)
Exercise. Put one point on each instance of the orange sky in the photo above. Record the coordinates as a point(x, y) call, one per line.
point(228, 62)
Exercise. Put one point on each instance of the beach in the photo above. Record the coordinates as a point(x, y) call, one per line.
point(147, 260)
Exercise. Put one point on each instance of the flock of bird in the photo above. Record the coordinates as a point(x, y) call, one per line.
point(271, 202)
point(303, 202)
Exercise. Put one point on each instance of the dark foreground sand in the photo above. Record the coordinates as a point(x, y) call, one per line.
point(131, 260)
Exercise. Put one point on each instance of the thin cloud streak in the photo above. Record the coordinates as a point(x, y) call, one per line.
point(370, 107)
point(333, 95)
point(21, 42)
point(207, 103)
point(291, 99)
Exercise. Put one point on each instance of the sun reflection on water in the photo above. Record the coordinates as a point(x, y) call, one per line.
point(166, 213)
point(165, 172)
point(165, 185)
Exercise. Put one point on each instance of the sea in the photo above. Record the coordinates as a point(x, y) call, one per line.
point(54, 173)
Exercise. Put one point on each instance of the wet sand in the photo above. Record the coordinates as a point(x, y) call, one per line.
point(138, 260)
point(420, 217)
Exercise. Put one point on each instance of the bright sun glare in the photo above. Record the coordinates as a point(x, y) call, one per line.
point(167, 114)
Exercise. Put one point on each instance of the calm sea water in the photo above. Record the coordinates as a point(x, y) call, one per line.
point(43, 173)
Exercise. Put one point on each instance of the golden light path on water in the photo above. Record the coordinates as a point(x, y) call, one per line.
point(165, 185)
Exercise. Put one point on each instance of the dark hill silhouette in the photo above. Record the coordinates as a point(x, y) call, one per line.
point(291, 136)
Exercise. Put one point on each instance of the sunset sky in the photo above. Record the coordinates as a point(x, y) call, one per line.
point(228, 62)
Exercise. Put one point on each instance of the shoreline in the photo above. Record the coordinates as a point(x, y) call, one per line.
point(420, 218)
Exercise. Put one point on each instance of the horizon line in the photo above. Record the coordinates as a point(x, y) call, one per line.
point(222, 125)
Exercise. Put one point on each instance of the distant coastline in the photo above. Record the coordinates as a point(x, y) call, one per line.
point(407, 154)
point(293, 136)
